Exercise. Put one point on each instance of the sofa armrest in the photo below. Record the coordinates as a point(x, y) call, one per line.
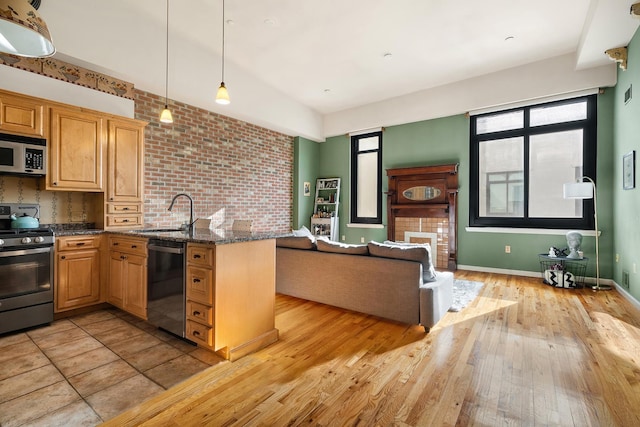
point(435, 299)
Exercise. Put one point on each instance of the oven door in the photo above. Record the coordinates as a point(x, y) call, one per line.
point(27, 278)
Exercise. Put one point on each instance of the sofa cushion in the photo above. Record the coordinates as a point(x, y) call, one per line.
point(407, 251)
point(296, 242)
point(303, 231)
point(325, 245)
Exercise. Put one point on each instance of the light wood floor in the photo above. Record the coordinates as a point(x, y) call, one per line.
point(522, 354)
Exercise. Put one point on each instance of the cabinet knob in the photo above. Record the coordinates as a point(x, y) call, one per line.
point(196, 313)
point(125, 209)
point(55, 183)
point(115, 243)
point(125, 220)
point(196, 280)
point(111, 198)
point(134, 246)
point(196, 256)
point(196, 333)
point(63, 257)
point(80, 244)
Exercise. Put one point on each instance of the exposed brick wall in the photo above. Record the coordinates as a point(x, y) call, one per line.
point(231, 169)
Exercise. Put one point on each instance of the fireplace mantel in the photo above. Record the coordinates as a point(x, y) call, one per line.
point(424, 192)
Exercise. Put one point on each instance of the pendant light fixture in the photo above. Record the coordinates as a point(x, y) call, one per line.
point(22, 31)
point(165, 116)
point(223, 94)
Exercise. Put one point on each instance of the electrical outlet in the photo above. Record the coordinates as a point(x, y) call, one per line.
point(343, 238)
point(617, 257)
point(625, 279)
point(635, 270)
point(362, 240)
point(507, 249)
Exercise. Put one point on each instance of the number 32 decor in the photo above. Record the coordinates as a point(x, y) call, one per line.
point(629, 170)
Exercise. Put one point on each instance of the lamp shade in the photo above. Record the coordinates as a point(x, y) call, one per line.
point(578, 190)
point(166, 116)
point(223, 95)
point(22, 30)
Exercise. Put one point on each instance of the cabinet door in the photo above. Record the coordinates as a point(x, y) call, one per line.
point(135, 288)
point(76, 151)
point(78, 279)
point(125, 161)
point(21, 115)
point(116, 279)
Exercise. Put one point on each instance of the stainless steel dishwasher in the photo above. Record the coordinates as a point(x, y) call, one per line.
point(166, 285)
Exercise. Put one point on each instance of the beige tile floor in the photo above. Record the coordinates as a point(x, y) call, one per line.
point(86, 369)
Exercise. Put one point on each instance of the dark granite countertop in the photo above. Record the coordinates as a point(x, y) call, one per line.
point(206, 236)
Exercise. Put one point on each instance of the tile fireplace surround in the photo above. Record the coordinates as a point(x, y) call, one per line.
point(434, 231)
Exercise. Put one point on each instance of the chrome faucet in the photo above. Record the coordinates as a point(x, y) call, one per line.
point(190, 208)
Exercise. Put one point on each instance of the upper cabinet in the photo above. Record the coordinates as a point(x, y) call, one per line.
point(76, 151)
point(125, 174)
point(22, 115)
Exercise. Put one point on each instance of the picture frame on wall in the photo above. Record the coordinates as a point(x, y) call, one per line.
point(629, 170)
point(307, 188)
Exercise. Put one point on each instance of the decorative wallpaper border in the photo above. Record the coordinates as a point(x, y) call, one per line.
point(70, 73)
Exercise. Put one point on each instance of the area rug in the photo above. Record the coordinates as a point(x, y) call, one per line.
point(464, 291)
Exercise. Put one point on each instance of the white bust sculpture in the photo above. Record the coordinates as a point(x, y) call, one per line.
point(574, 240)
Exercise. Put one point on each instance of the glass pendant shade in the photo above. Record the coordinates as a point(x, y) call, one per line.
point(165, 116)
point(223, 95)
point(22, 30)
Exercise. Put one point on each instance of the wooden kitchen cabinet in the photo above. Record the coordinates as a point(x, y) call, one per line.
point(128, 274)
point(125, 174)
point(22, 115)
point(77, 272)
point(77, 145)
point(231, 296)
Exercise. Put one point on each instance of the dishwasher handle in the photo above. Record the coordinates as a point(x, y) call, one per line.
point(166, 249)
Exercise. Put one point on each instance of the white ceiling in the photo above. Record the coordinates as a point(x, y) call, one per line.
point(302, 60)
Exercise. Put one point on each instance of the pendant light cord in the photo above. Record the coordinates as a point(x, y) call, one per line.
point(222, 40)
point(166, 74)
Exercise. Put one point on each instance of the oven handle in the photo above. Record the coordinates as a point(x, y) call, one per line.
point(29, 251)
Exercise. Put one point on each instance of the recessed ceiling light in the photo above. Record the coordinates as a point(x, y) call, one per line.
point(230, 22)
point(269, 22)
point(327, 90)
point(387, 56)
point(509, 38)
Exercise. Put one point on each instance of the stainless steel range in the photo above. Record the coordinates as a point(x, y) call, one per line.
point(26, 272)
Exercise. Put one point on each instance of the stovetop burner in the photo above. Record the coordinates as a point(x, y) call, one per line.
point(43, 231)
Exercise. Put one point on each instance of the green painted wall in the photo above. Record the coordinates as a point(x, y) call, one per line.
point(446, 140)
point(305, 169)
point(626, 203)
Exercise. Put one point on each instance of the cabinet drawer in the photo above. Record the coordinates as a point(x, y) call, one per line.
point(124, 208)
point(126, 220)
point(199, 333)
point(130, 246)
point(78, 242)
point(200, 255)
point(200, 285)
point(200, 312)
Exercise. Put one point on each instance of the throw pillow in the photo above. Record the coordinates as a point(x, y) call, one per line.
point(325, 245)
point(303, 231)
point(407, 251)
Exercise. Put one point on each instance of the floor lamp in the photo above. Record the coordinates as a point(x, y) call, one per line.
point(587, 190)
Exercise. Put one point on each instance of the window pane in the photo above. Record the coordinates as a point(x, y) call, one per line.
point(558, 114)
point(500, 179)
point(370, 143)
point(500, 122)
point(367, 203)
point(554, 158)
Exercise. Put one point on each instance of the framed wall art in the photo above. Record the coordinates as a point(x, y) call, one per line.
point(629, 170)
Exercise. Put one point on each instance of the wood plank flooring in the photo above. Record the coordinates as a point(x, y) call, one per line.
point(522, 354)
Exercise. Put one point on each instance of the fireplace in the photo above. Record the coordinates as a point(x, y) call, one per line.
point(421, 208)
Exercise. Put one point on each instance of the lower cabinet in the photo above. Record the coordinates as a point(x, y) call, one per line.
point(128, 274)
point(231, 296)
point(77, 271)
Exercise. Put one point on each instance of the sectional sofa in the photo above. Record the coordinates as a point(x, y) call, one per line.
point(390, 280)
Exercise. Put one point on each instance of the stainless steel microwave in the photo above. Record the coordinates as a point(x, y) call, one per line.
point(23, 155)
